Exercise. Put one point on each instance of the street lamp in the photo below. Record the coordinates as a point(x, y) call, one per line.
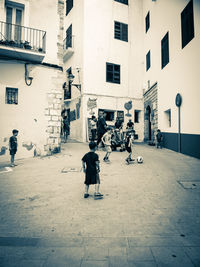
point(71, 79)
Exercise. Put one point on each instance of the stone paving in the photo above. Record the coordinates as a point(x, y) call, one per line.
point(149, 215)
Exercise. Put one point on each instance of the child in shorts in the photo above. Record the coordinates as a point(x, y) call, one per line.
point(106, 139)
point(13, 147)
point(129, 147)
point(91, 168)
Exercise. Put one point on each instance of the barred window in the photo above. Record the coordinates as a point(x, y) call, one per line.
point(121, 31)
point(122, 1)
point(112, 73)
point(11, 95)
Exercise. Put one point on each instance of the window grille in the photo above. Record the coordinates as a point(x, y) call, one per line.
point(165, 50)
point(11, 95)
point(187, 24)
point(112, 73)
point(121, 31)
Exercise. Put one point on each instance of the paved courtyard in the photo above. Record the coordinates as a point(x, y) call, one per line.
point(149, 215)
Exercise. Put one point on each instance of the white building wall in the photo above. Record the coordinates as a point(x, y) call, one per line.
point(180, 75)
point(37, 115)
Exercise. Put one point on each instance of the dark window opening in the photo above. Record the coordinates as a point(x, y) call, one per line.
point(136, 116)
point(11, 95)
point(148, 60)
point(69, 37)
point(121, 31)
point(109, 114)
point(165, 50)
point(122, 1)
point(187, 24)
point(112, 73)
point(68, 88)
point(69, 5)
point(147, 21)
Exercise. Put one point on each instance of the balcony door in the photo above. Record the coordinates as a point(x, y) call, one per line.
point(14, 22)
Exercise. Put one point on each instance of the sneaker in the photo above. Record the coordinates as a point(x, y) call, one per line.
point(98, 194)
point(127, 160)
point(86, 195)
point(105, 159)
point(12, 165)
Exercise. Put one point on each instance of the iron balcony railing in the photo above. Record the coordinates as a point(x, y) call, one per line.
point(22, 37)
point(68, 42)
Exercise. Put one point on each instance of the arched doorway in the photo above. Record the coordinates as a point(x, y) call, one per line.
point(148, 111)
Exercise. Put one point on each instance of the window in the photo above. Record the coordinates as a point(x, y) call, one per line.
point(165, 50)
point(69, 37)
point(109, 114)
point(148, 60)
point(147, 21)
point(69, 5)
point(122, 1)
point(136, 116)
point(68, 88)
point(14, 15)
point(112, 73)
point(11, 95)
point(121, 31)
point(187, 24)
point(168, 118)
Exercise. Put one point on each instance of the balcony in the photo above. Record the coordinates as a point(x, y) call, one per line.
point(21, 43)
point(68, 47)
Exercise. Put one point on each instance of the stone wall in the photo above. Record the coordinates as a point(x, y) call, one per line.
point(55, 95)
point(151, 100)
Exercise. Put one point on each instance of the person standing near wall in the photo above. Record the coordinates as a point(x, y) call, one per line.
point(65, 128)
point(13, 147)
point(93, 123)
point(101, 127)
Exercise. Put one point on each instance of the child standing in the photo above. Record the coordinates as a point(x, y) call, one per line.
point(129, 147)
point(13, 147)
point(159, 139)
point(106, 139)
point(90, 162)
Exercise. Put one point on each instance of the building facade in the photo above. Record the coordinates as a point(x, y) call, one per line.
point(140, 51)
point(31, 75)
point(101, 50)
point(172, 56)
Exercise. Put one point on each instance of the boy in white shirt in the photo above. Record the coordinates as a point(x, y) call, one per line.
point(106, 139)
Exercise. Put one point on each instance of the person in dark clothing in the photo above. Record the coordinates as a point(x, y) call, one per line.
point(159, 139)
point(65, 128)
point(101, 127)
point(90, 163)
point(13, 147)
point(118, 123)
point(130, 125)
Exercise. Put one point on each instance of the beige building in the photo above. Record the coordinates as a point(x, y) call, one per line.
point(31, 75)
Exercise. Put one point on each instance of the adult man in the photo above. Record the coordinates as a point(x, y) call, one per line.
point(101, 127)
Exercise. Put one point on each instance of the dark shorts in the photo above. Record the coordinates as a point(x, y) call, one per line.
point(92, 179)
point(128, 149)
point(13, 151)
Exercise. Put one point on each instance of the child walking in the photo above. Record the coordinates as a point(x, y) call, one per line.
point(91, 168)
point(159, 139)
point(129, 147)
point(106, 139)
point(13, 147)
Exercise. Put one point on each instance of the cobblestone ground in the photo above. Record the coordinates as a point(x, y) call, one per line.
point(149, 215)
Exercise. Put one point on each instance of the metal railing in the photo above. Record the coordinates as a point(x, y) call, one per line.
point(22, 37)
point(68, 42)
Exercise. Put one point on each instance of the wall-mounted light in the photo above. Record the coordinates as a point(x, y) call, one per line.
point(71, 79)
point(28, 79)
